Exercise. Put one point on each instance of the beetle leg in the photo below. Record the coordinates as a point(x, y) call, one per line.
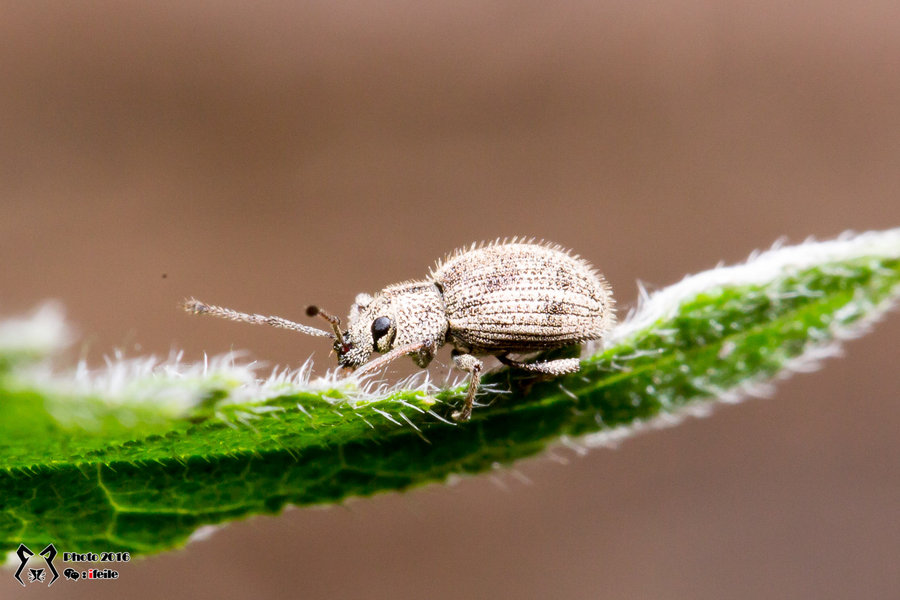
point(374, 365)
point(561, 366)
point(473, 366)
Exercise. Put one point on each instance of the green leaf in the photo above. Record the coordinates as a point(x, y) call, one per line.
point(138, 456)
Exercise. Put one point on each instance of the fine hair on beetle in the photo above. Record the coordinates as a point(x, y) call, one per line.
point(502, 298)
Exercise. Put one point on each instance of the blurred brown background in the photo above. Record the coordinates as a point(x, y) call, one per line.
point(270, 156)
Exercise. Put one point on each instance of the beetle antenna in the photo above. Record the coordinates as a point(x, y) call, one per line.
point(313, 311)
point(199, 308)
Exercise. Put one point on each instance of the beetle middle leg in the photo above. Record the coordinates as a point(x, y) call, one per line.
point(473, 366)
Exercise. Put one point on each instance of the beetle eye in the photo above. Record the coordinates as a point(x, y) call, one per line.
point(380, 327)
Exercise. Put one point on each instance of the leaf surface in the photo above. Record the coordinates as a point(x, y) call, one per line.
point(138, 456)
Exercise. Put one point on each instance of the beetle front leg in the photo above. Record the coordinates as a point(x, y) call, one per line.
point(473, 366)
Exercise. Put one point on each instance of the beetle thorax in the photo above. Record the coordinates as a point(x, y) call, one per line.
point(400, 314)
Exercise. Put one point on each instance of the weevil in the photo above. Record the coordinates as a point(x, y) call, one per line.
point(497, 299)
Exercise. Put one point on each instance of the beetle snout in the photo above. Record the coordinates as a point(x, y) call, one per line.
point(343, 346)
point(344, 359)
point(349, 354)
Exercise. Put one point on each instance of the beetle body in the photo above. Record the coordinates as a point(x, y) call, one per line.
point(521, 298)
point(497, 299)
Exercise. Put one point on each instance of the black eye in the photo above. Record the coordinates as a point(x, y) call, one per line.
point(380, 327)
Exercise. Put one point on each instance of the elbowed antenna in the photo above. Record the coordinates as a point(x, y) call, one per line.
point(199, 308)
point(313, 311)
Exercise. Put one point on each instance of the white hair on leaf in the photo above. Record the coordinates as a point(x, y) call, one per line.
point(42, 333)
point(761, 268)
point(170, 388)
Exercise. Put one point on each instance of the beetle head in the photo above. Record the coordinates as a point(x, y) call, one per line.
point(371, 327)
point(398, 315)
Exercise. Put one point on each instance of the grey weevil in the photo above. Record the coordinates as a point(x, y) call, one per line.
point(497, 299)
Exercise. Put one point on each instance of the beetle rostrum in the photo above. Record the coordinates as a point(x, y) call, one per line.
point(497, 299)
